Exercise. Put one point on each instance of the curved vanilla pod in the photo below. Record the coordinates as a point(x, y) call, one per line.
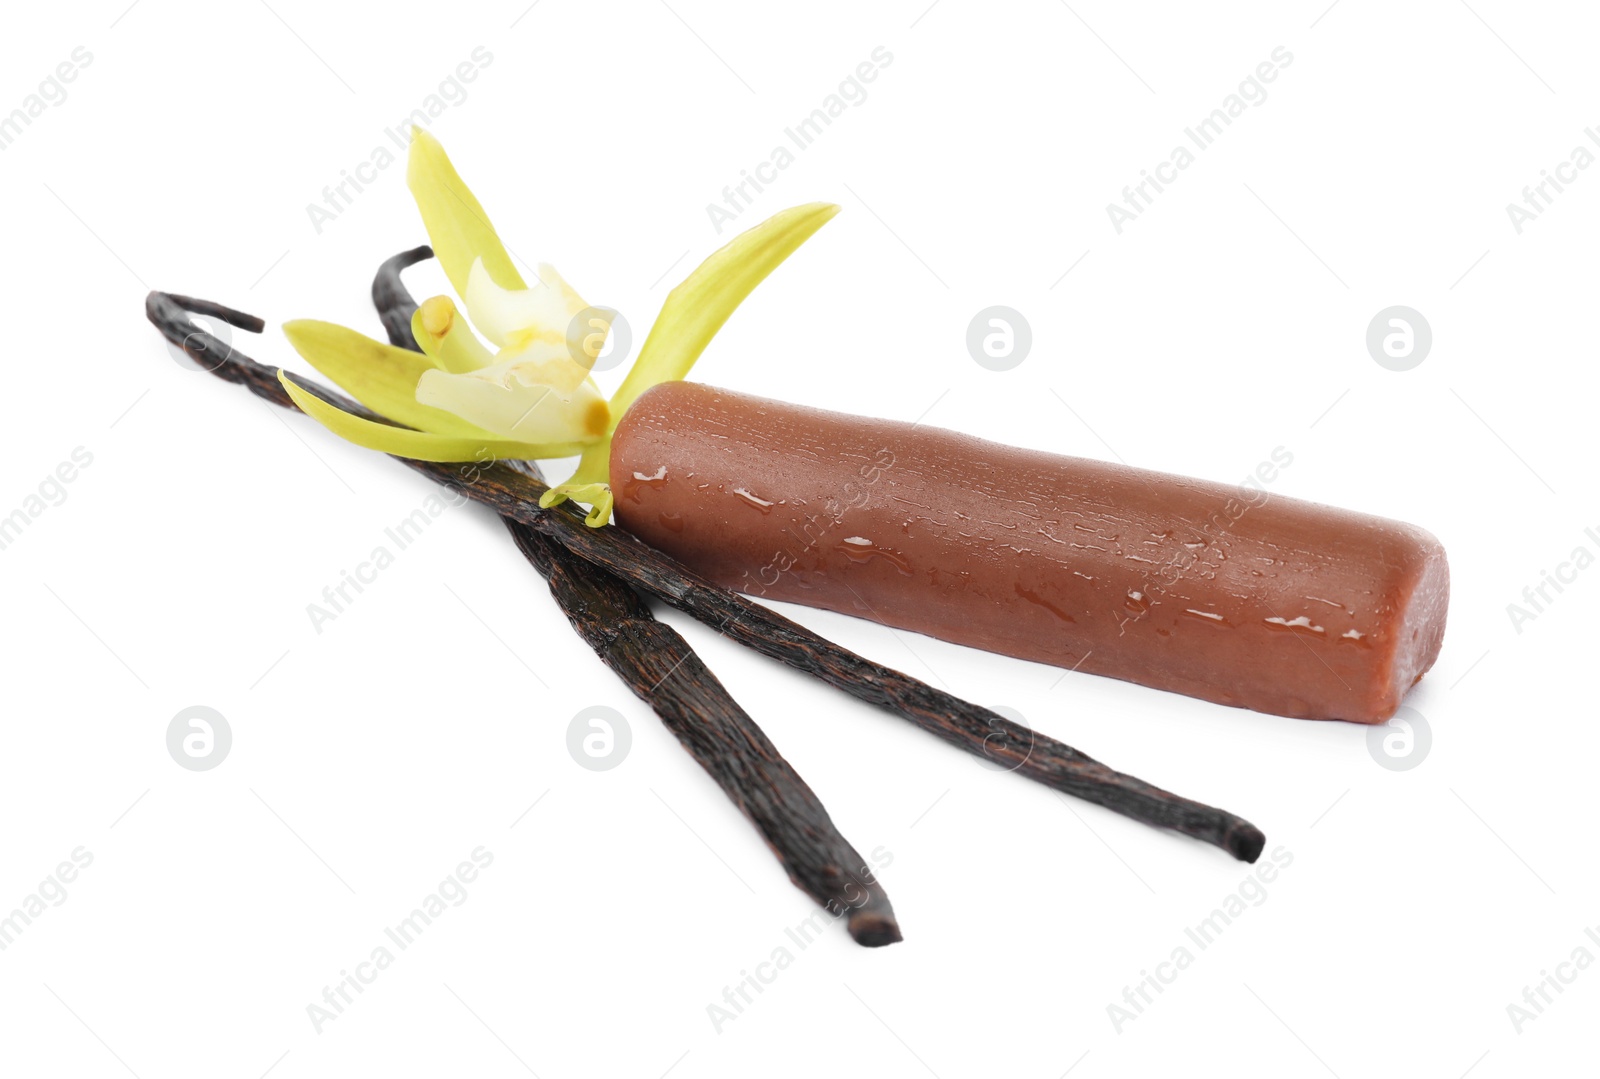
point(660, 668)
point(393, 300)
point(968, 726)
point(1217, 592)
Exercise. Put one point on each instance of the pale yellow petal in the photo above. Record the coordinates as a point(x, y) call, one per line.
point(697, 308)
point(417, 445)
point(379, 375)
point(458, 228)
point(507, 316)
point(549, 363)
point(501, 400)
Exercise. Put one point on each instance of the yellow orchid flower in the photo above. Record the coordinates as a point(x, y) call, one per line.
point(532, 395)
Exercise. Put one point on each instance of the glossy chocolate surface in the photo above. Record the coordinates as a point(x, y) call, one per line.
point(1215, 591)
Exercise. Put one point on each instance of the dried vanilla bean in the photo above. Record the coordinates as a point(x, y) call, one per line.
point(393, 300)
point(661, 669)
point(967, 726)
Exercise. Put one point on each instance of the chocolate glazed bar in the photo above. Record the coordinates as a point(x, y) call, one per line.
point(1274, 604)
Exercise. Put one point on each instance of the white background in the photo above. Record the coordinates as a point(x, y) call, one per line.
point(369, 759)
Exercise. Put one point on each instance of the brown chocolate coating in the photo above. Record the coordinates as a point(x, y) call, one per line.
point(1218, 592)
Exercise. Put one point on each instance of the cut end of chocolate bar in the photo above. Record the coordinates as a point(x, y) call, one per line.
point(1419, 631)
point(874, 929)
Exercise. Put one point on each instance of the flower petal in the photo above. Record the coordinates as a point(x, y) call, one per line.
point(417, 445)
point(380, 376)
point(446, 337)
point(697, 308)
point(507, 316)
point(457, 226)
point(508, 401)
point(546, 362)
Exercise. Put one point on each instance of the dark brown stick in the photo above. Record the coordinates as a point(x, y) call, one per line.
point(963, 724)
point(660, 667)
point(393, 300)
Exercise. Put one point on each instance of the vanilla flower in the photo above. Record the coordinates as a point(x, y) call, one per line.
point(528, 393)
